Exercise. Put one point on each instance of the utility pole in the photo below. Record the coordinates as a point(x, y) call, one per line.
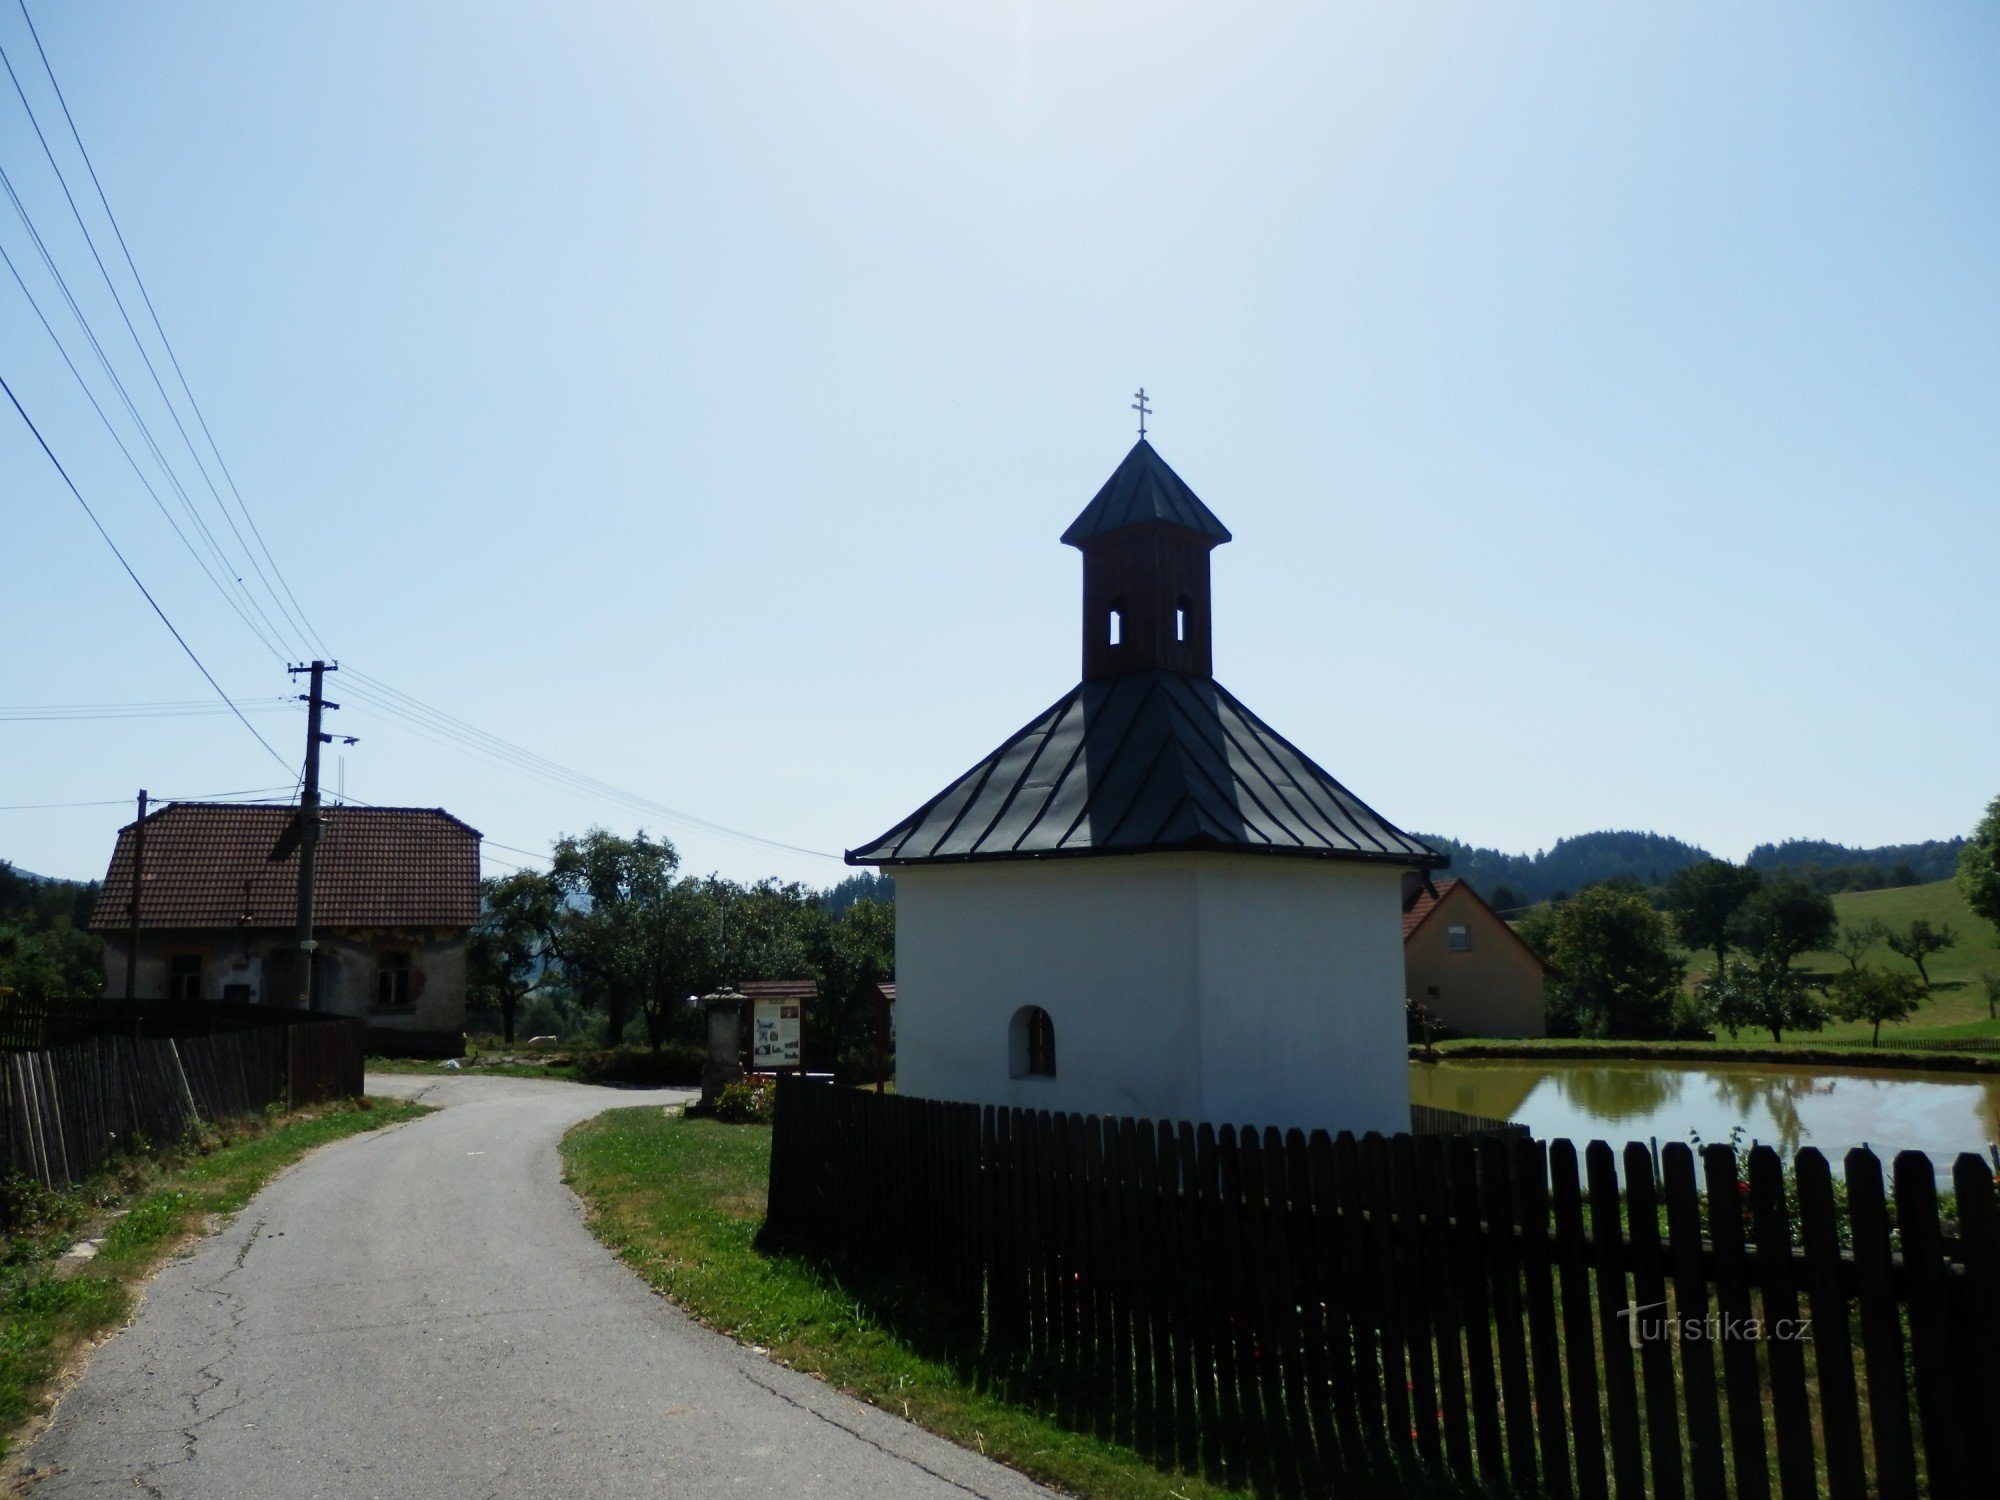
point(308, 825)
point(138, 876)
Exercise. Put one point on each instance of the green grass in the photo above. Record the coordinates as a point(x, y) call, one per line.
point(681, 1201)
point(1956, 1006)
point(50, 1307)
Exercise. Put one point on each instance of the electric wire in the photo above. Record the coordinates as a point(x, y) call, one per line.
point(245, 792)
point(125, 397)
point(294, 614)
point(419, 717)
point(49, 453)
point(193, 708)
point(111, 427)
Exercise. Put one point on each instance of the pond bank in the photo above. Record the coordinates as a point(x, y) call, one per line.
point(1697, 1053)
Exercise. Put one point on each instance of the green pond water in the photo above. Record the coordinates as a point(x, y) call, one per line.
point(1941, 1114)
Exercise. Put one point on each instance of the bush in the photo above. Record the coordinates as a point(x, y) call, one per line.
point(749, 1102)
point(675, 1065)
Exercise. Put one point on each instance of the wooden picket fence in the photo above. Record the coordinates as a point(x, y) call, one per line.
point(67, 1110)
point(1303, 1315)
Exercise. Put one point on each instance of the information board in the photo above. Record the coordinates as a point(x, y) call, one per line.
point(774, 1038)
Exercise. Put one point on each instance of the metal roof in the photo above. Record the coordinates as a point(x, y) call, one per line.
point(208, 865)
point(1138, 763)
point(1141, 489)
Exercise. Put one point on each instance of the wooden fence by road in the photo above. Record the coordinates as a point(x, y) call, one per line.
point(110, 1087)
point(1293, 1312)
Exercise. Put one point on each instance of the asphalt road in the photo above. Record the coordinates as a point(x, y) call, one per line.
point(420, 1312)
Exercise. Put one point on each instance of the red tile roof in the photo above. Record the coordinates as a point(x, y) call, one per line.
point(1422, 905)
point(208, 865)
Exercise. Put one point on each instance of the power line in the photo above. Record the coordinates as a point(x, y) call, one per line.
point(49, 453)
point(192, 709)
point(295, 614)
point(419, 717)
point(95, 405)
point(247, 792)
point(131, 409)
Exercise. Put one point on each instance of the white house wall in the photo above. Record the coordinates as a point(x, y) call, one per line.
point(1231, 988)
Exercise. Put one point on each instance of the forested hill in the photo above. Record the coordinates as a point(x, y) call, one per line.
point(1512, 880)
point(1515, 880)
point(1936, 859)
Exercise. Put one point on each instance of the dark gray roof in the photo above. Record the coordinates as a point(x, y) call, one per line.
point(1143, 762)
point(1143, 488)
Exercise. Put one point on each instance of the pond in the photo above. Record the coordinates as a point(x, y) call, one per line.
point(1832, 1109)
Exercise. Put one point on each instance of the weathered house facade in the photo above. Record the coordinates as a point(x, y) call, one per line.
point(396, 898)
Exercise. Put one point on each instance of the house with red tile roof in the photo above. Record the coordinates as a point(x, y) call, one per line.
point(396, 898)
point(1463, 962)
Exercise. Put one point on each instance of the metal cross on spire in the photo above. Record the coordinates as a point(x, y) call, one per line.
point(1142, 409)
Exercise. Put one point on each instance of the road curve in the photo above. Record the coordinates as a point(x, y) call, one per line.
point(420, 1312)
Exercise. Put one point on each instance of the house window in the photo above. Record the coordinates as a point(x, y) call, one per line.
point(393, 979)
point(184, 976)
point(1031, 1044)
point(1459, 939)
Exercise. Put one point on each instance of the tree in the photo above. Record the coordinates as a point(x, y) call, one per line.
point(508, 957)
point(1919, 941)
point(1784, 918)
point(1875, 996)
point(1615, 969)
point(1704, 898)
point(1990, 983)
point(1856, 942)
point(608, 888)
point(1772, 996)
point(1979, 866)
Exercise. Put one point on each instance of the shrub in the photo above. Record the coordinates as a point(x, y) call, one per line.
point(675, 1065)
point(749, 1102)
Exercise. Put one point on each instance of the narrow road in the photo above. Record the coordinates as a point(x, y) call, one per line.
point(420, 1312)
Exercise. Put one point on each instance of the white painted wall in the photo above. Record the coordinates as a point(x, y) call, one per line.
point(1237, 989)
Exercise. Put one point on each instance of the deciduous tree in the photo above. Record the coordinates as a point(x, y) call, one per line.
point(508, 957)
point(1874, 996)
point(1784, 918)
point(1858, 941)
point(1919, 941)
point(1979, 866)
point(1772, 996)
point(1704, 898)
point(1615, 969)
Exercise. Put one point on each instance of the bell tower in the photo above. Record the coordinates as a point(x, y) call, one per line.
point(1145, 540)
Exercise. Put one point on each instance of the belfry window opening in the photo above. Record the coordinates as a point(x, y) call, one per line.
point(1183, 608)
point(1117, 622)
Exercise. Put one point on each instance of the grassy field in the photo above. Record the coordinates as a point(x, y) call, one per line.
point(681, 1202)
point(139, 1212)
point(1957, 1003)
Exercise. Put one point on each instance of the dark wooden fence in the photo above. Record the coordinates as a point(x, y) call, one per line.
point(1301, 1313)
point(89, 1087)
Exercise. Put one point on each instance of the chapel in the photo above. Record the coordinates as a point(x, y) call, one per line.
point(1147, 901)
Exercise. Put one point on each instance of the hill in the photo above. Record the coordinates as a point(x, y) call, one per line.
point(1513, 881)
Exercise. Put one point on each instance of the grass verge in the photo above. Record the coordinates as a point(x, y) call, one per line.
point(681, 1202)
point(139, 1211)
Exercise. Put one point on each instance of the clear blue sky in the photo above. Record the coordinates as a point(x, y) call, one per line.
point(1606, 400)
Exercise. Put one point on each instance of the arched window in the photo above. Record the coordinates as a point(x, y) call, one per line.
point(1031, 1044)
point(1183, 617)
point(1116, 625)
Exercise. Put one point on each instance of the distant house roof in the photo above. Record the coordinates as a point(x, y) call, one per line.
point(208, 865)
point(1141, 489)
point(1143, 762)
point(779, 989)
point(1418, 908)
